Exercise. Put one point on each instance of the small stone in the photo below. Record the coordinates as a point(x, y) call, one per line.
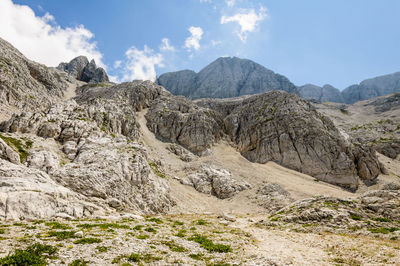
point(79, 234)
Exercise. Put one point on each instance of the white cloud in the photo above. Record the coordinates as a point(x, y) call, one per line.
point(194, 40)
point(140, 64)
point(41, 39)
point(205, 1)
point(248, 21)
point(117, 64)
point(166, 46)
point(230, 3)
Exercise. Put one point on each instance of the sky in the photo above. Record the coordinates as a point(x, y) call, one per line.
point(337, 42)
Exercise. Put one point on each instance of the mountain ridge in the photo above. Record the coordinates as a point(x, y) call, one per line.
point(225, 77)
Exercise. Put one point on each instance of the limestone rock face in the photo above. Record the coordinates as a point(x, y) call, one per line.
point(285, 129)
point(26, 85)
point(115, 169)
point(81, 69)
point(179, 120)
point(215, 181)
point(27, 193)
point(75, 66)
point(98, 155)
point(225, 77)
point(275, 126)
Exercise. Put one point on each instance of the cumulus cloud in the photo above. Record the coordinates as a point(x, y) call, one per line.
point(141, 64)
point(193, 42)
point(248, 21)
point(166, 46)
point(41, 39)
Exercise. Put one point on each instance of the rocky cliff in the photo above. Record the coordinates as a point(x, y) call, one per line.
point(274, 126)
point(27, 85)
point(83, 70)
point(225, 77)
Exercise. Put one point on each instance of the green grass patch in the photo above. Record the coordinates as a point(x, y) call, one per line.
point(18, 146)
point(383, 230)
point(201, 222)
point(150, 230)
point(155, 220)
point(57, 225)
point(178, 223)
point(102, 249)
point(142, 237)
point(355, 217)
point(35, 254)
point(181, 233)
point(209, 245)
point(156, 171)
point(174, 247)
point(134, 257)
point(87, 240)
point(381, 219)
point(62, 235)
point(138, 227)
point(197, 256)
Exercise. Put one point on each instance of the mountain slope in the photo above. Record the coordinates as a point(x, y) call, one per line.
point(225, 77)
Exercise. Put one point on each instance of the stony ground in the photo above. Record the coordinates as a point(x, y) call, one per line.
point(191, 240)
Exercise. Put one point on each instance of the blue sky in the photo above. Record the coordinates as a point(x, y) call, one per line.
point(338, 42)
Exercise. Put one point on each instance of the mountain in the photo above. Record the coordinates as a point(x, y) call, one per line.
point(225, 77)
point(371, 88)
point(327, 93)
point(134, 168)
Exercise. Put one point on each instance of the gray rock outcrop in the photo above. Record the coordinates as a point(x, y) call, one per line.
point(215, 181)
point(27, 193)
point(274, 126)
point(98, 157)
point(272, 197)
point(7, 153)
point(26, 85)
point(224, 78)
point(81, 69)
point(327, 93)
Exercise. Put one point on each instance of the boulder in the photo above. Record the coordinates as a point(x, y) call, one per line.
point(215, 181)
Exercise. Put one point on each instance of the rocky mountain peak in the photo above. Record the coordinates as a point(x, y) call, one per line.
point(83, 70)
point(225, 77)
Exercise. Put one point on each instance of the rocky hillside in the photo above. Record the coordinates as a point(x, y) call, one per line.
point(27, 85)
point(275, 126)
point(225, 77)
point(102, 173)
point(327, 93)
point(374, 122)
